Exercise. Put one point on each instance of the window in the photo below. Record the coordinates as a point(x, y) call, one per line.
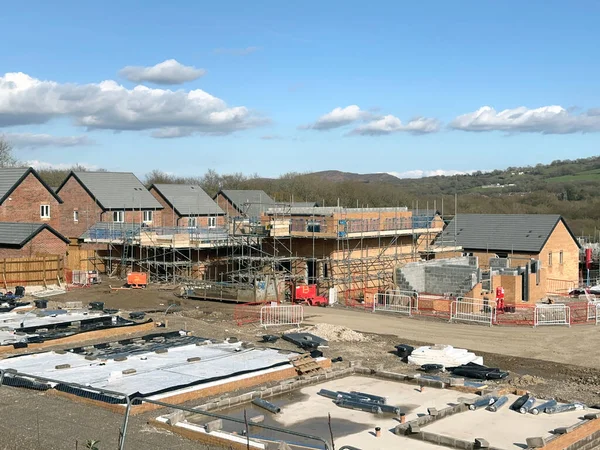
point(550, 259)
point(45, 211)
point(560, 257)
point(212, 222)
point(118, 216)
point(75, 215)
point(192, 223)
point(147, 216)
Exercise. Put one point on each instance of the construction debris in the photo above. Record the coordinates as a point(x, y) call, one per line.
point(333, 333)
point(445, 355)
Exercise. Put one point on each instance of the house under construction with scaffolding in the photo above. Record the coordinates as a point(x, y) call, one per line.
point(248, 248)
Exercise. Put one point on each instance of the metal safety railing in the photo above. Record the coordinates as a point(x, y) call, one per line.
point(277, 315)
point(551, 315)
point(597, 306)
point(473, 310)
point(403, 302)
point(592, 310)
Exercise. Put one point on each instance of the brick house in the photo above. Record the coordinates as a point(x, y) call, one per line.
point(244, 203)
point(24, 240)
point(25, 197)
point(518, 237)
point(187, 206)
point(110, 197)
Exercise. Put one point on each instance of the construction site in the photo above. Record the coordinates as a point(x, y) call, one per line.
point(289, 326)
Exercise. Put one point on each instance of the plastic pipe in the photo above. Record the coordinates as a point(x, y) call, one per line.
point(368, 407)
point(564, 408)
point(373, 398)
point(519, 402)
point(498, 404)
point(527, 405)
point(483, 401)
point(542, 408)
point(266, 405)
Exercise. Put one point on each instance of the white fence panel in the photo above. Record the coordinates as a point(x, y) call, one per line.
point(403, 302)
point(592, 310)
point(597, 313)
point(552, 315)
point(473, 310)
point(279, 315)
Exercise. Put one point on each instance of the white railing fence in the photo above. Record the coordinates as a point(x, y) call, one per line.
point(473, 310)
point(552, 315)
point(597, 305)
point(278, 315)
point(592, 310)
point(403, 302)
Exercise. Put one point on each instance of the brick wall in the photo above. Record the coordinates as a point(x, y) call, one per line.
point(134, 216)
point(45, 243)
point(226, 206)
point(75, 198)
point(23, 204)
point(561, 241)
point(171, 219)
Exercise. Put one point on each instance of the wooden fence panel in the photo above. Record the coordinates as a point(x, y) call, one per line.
point(35, 271)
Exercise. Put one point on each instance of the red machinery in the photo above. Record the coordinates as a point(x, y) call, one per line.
point(499, 298)
point(308, 294)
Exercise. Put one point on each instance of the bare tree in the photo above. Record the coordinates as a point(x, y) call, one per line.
point(6, 156)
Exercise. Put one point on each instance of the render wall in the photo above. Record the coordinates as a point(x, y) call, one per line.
point(23, 204)
point(45, 243)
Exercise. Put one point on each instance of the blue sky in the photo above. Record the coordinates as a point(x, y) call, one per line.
point(355, 86)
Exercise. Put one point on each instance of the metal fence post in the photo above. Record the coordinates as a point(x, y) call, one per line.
point(125, 423)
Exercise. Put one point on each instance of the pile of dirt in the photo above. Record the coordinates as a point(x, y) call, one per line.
point(527, 380)
point(334, 333)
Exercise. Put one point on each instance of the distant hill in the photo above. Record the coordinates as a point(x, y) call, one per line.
point(336, 175)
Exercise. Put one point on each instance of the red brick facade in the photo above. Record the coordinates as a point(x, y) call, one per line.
point(23, 204)
point(78, 202)
point(76, 198)
point(44, 243)
point(226, 206)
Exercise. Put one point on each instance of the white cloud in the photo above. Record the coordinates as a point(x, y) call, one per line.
point(166, 72)
point(339, 117)
point(31, 140)
point(110, 106)
point(236, 51)
point(545, 120)
point(40, 165)
point(429, 173)
point(391, 124)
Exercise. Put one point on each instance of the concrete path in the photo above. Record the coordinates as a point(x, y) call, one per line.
point(575, 345)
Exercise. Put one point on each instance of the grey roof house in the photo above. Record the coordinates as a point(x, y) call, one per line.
point(242, 202)
point(114, 190)
point(507, 233)
point(184, 200)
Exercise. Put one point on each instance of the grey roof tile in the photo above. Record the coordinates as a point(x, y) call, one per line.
point(19, 233)
point(117, 190)
point(501, 232)
point(10, 176)
point(250, 202)
point(189, 200)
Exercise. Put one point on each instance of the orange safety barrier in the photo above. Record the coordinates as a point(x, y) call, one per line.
point(246, 313)
point(137, 279)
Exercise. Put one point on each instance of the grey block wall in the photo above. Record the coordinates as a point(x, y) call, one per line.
point(450, 279)
point(453, 275)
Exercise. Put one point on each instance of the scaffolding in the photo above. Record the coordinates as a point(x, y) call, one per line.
point(344, 248)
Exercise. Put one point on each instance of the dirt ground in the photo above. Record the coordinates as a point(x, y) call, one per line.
point(556, 362)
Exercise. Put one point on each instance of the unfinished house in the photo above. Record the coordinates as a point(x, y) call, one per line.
point(353, 250)
point(249, 204)
point(187, 206)
point(25, 240)
point(522, 242)
point(107, 203)
point(25, 197)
